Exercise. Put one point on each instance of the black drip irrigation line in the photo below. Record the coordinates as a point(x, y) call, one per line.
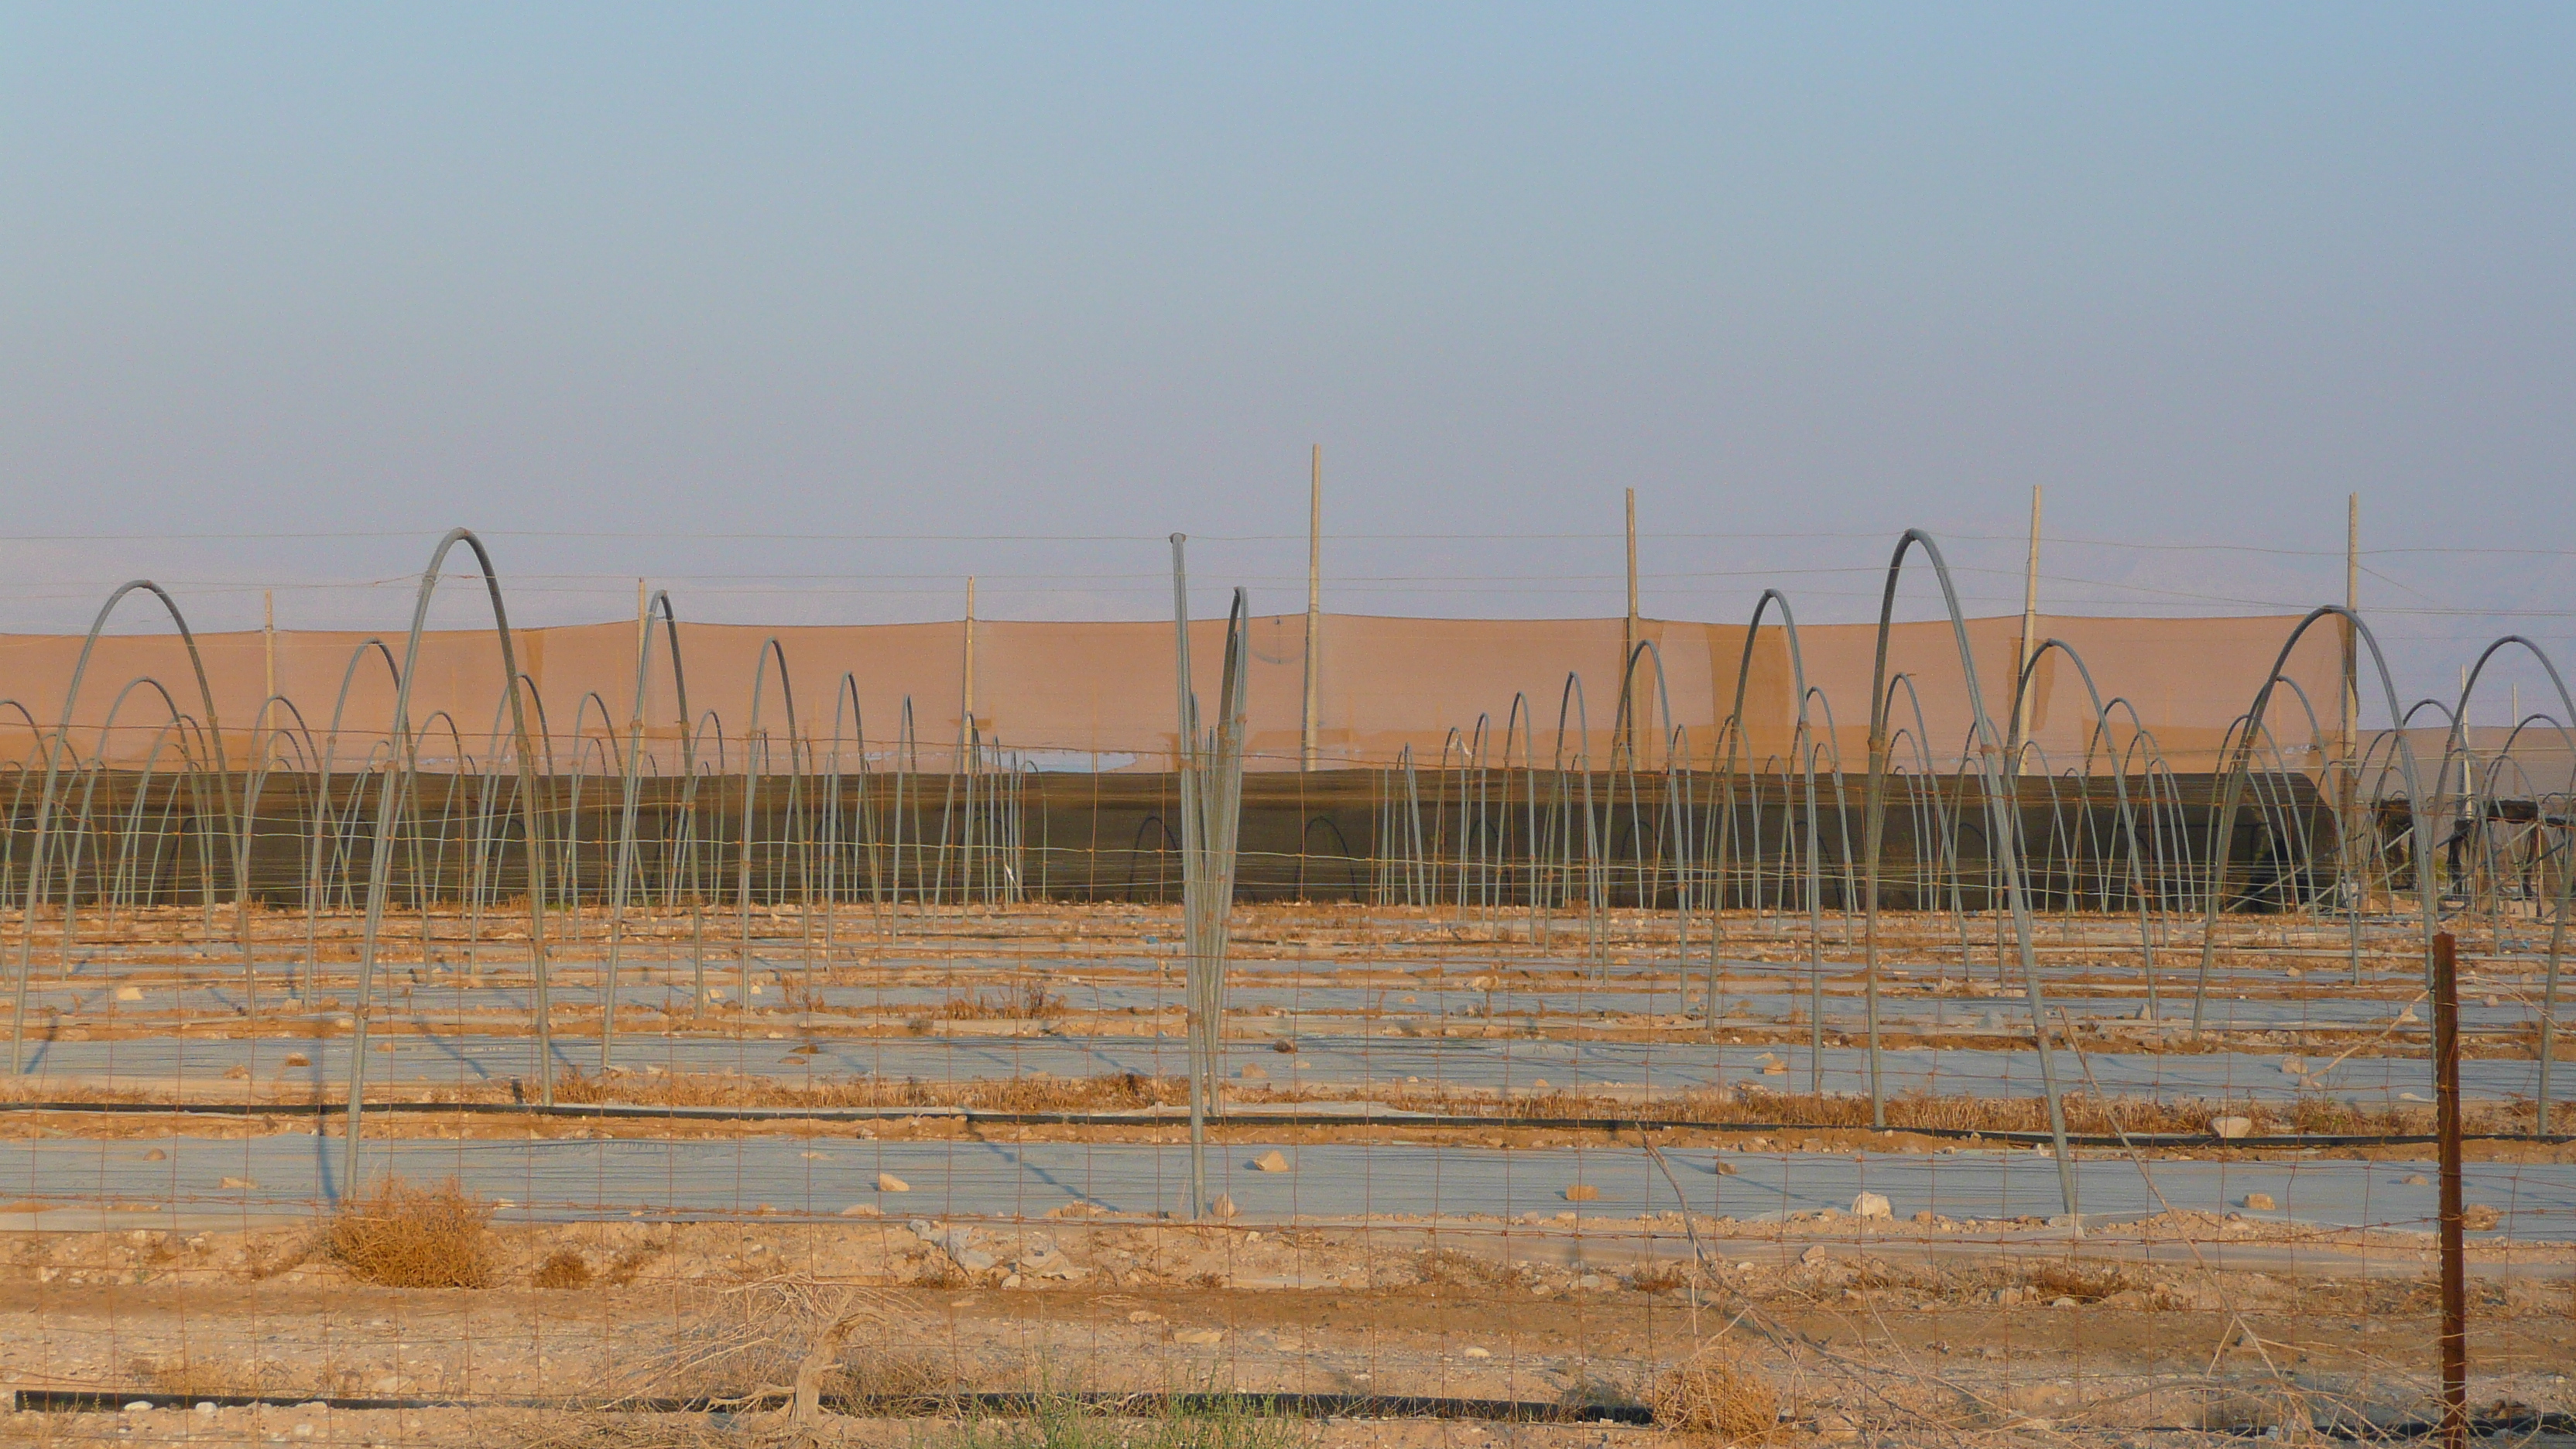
point(1137, 1405)
point(2365, 1431)
point(2525, 1423)
point(624, 1111)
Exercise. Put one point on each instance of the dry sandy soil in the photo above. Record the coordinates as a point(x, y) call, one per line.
point(1938, 1330)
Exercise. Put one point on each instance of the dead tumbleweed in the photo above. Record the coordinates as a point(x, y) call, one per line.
point(1720, 1395)
point(797, 1339)
point(402, 1236)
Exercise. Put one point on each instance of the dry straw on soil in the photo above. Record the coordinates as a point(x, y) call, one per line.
point(1720, 1397)
point(403, 1236)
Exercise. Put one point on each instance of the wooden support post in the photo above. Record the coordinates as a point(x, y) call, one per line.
point(643, 641)
point(1310, 719)
point(267, 655)
point(1628, 643)
point(2029, 640)
point(2348, 796)
point(2455, 1266)
point(2352, 604)
point(966, 705)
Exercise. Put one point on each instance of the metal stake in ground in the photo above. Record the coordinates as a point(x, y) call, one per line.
point(1210, 772)
point(2455, 1267)
point(1185, 749)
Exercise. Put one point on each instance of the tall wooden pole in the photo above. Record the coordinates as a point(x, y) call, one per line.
point(1311, 718)
point(1628, 639)
point(2352, 603)
point(267, 648)
point(643, 639)
point(967, 667)
point(2455, 1263)
point(2029, 638)
point(2348, 797)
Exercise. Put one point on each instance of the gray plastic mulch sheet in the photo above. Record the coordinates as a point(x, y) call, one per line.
point(1517, 1065)
point(1252, 1005)
point(817, 1174)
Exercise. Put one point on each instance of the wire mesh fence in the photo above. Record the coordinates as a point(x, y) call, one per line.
point(771, 1080)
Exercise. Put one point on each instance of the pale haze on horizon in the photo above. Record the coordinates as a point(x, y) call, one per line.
point(808, 313)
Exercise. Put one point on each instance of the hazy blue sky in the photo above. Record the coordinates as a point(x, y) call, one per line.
point(851, 277)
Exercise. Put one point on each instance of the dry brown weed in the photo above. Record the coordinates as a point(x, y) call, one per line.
point(196, 1378)
point(563, 1268)
point(876, 1377)
point(1721, 1396)
point(403, 1236)
point(1021, 1001)
point(785, 1336)
point(1658, 1278)
point(2068, 1280)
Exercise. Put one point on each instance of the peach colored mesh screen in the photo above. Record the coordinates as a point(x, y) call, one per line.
point(1100, 695)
